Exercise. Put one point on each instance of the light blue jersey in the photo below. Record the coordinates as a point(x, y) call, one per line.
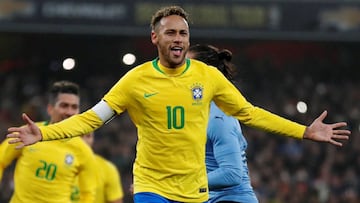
point(226, 164)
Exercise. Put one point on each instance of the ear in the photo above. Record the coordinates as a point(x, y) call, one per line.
point(154, 38)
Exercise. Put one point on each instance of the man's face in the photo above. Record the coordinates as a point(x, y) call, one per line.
point(65, 106)
point(171, 37)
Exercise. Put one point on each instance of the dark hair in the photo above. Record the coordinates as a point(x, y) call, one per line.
point(62, 87)
point(167, 11)
point(213, 56)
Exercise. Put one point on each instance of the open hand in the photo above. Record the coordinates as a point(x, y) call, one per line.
point(319, 131)
point(25, 135)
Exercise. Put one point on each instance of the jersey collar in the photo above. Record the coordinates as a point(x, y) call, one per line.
point(171, 71)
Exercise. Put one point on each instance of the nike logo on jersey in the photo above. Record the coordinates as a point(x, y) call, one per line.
point(147, 95)
point(31, 149)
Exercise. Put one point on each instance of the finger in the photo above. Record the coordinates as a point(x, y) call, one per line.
point(341, 132)
point(26, 119)
point(322, 116)
point(14, 129)
point(339, 125)
point(335, 143)
point(14, 141)
point(341, 137)
point(20, 146)
point(13, 135)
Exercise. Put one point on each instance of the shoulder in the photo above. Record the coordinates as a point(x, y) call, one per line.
point(7, 149)
point(140, 68)
point(99, 159)
point(197, 62)
point(204, 69)
point(80, 146)
point(135, 73)
point(200, 64)
point(105, 164)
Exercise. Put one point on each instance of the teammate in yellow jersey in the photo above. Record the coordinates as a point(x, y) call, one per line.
point(168, 100)
point(2, 146)
point(44, 172)
point(109, 188)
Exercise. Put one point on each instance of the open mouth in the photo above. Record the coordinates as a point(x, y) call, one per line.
point(176, 51)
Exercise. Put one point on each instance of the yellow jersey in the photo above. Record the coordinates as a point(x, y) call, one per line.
point(170, 108)
point(109, 186)
point(45, 171)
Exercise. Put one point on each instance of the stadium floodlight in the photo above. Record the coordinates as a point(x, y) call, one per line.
point(129, 59)
point(301, 107)
point(69, 63)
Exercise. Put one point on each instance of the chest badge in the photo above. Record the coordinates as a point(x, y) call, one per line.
point(197, 92)
point(69, 159)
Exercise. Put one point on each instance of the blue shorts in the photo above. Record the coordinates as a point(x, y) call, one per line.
point(149, 197)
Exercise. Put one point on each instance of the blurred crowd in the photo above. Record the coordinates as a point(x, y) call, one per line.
point(283, 170)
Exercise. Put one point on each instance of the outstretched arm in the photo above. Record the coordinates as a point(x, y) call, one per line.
point(25, 135)
point(76, 125)
point(318, 130)
point(321, 132)
point(262, 119)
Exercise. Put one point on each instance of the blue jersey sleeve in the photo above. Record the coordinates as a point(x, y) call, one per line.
point(225, 163)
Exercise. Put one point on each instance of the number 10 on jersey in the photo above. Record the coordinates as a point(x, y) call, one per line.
point(175, 117)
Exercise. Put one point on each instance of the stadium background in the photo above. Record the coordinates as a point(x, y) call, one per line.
point(286, 51)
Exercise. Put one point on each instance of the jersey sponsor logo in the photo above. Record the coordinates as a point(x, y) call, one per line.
point(147, 95)
point(69, 159)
